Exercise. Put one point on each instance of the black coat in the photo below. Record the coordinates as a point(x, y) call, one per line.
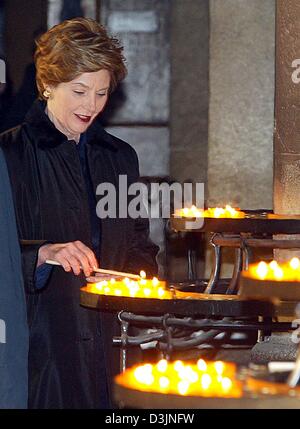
point(13, 323)
point(51, 204)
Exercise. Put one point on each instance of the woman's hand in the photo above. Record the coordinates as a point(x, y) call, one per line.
point(72, 256)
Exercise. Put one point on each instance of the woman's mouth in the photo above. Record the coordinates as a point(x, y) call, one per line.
point(83, 118)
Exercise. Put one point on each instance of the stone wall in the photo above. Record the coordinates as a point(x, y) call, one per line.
point(189, 89)
point(241, 109)
point(138, 111)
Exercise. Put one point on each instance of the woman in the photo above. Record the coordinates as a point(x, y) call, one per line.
point(56, 160)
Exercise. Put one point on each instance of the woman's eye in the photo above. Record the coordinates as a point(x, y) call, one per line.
point(79, 92)
point(101, 94)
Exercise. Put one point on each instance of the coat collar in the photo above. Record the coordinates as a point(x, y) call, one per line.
point(44, 133)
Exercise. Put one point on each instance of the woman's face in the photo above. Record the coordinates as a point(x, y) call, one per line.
point(74, 105)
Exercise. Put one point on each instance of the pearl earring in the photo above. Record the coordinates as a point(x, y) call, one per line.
point(46, 93)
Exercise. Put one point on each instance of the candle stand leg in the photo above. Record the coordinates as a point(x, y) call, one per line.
point(234, 282)
point(216, 270)
point(168, 334)
point(124, 339)
point(192, 271)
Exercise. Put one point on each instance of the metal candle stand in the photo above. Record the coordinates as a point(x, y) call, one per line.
point(171, 332)
point(191, 319)
point(243, 246)
point(241, 234)
point(194, 312)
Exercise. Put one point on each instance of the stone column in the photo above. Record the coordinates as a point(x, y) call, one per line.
point(189, 94)
point(189, 98)
point(287, 109)
point(241, 106)
point(287, 115)
point(286, 175)
point(241, 110)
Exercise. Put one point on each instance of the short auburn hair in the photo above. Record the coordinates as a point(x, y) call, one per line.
point(76, 46)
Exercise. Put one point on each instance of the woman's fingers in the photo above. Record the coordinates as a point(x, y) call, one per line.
point(65, 264)
point(88, 253)
point(73, 256)
point(75, 264)
point(78, 256)
point(63, 255)
point(81, 259)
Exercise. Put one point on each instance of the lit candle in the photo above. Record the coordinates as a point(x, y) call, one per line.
point(142, 288)
point(216, 212)
point(274, 271)
point(294, 263)
point(201, 379)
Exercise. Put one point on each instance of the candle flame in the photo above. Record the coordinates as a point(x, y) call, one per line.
point(286, 271)
point(162, 365)
point(142, 288)
point(201, 364)
point(216, 212)
point(226, 384)
point(273, 265)
point(142, 274)
point(183, 387)
point(262, 270)
point(205, 381)
point(294, 263)
point(164, 382)
point(201, 379)
point(219, 367)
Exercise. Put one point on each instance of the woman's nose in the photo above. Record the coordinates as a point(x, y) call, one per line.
point(91, 104)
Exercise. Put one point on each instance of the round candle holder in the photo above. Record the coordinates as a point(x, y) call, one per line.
point(145, 386)
point(272, 280)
